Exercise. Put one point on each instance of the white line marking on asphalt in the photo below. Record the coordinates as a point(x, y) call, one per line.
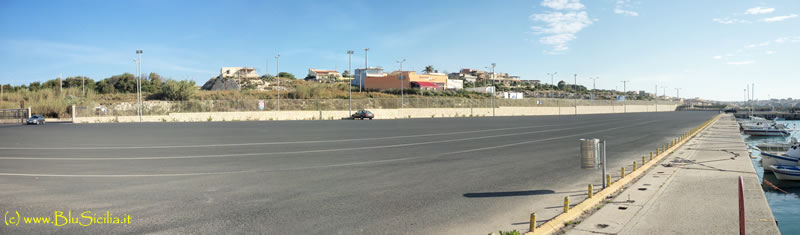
point(326, 166)
point(293, 152)
point(273, 143)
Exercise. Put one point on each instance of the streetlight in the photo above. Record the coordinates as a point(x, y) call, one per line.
point(350, 86)
point(575, 90)
point(678, 91)
point(400, 75)
point(278, 74)
point(551, 78)
point(138, 83)
point(363, 82)
point(494, 89)
point(594, 85)
point(625, 95)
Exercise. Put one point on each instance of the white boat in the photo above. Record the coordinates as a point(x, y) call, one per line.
point(786, 172)
point(790, 158)
point(772, 130)
point(773, 147)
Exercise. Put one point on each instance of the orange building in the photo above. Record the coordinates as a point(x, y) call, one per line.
point(433, 81)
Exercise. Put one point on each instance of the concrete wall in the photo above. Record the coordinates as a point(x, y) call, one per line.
point(379, 114)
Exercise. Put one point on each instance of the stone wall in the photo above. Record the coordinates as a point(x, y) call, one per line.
point(379, 114)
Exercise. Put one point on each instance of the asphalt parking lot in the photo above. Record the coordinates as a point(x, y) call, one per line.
point(442, 175)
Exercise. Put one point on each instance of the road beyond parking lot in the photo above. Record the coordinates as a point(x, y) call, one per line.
point(462, 175)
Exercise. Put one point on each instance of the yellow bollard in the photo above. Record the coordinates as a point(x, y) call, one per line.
point(643, 161)
point(651, 156)
point(623, 173)
point(663, 149)
point(634, 166)
point(591, 191)
point(532, 226)
point(566, 204)
point(608, 179)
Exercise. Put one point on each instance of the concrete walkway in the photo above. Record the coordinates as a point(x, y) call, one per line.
point(693, 191)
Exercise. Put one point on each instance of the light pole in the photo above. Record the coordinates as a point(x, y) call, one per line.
point(625, 95)
point(278, 77)
point(678, 91)
point(138, 82)
point(363, 82)
point(400, 75)
point(494, 88)
point(551, 78)
point(594, 85)
point(575, 90)
point(350, 86)
point(655, 96)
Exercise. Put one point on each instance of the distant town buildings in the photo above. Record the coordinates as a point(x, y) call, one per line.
point(360, 75)
point(407, 79)
point(320, 75)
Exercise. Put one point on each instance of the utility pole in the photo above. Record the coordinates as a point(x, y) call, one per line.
point(138, 82)
point(625, 95)
point(278, 74)
point(83, 86)
point(678, 91)
point(366, 70)
point(60, 84)
point(594, 85)
point(551, 78)
point(400, 75)
point(350, 86)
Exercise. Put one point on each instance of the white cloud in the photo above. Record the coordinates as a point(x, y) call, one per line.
point(563, 4)
point(623, 8)
point(758, 11)
point(719, 57)
point(763, 44)
point(560, 27)
point(728, 20)
point(741, 62)
point(770, 52)
point(779, 18)
point(788, 39)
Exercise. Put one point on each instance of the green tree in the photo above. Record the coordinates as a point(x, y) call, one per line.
point(286, 75)
point(346, 73)
point(177, 90)
point(153, 83)
point(103, 87)
point(562, 85)
point(35, 86)
point(429, 69)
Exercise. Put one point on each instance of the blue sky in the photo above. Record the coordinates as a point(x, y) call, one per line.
point(709, 49)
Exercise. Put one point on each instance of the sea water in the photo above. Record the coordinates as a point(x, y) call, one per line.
point(784, 201)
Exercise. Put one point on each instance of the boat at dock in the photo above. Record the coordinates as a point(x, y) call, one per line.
point(790, 158)
point(786, 172)
point(774, 147)
point(763, 130)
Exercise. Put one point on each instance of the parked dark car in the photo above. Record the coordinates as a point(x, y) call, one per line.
point(363, 114)
point(36, 120)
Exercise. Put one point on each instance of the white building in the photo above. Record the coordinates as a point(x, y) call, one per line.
point(238, 72)
point(455, 84)
point(324, 75)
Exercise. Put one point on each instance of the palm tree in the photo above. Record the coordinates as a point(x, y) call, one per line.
point(428, 69)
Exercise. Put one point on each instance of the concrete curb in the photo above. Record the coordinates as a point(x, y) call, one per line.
point(575, 212)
